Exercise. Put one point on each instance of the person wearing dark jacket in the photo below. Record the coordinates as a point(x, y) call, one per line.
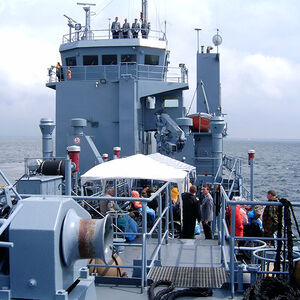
point(191, 213)
point(270, 216)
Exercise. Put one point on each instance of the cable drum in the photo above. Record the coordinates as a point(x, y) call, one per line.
point(52, 167)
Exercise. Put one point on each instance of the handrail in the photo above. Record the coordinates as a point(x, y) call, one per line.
point(117, 71)
point(104, 34)
point(10, 186)
point(230, 262)
point(162, 237)
point(219, 169)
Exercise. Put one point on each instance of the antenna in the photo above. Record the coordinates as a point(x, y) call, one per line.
point(198, 30)
point(87, 10)
point(70, 19)
point(145, 9)
point(217, 40)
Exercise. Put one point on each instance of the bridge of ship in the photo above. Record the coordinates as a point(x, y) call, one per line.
point(95, 55)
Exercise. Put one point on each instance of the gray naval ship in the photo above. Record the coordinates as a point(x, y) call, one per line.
point(121, 123)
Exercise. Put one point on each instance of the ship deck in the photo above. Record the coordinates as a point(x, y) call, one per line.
point(184, 261)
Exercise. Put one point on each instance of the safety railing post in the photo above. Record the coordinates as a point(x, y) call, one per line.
point(223, 218)
point(144, 254)
point(159, 225)
point(167, 201)
point(232, 241)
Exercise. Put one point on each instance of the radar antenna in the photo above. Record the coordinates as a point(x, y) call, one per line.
point(87, 9)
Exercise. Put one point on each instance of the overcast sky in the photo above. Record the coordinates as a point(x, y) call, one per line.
point(260, 60)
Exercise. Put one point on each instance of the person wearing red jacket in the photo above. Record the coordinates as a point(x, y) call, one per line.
point(239, 227)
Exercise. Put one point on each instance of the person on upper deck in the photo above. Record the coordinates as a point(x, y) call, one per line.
point(207, 211)
point(190, 212)
point(145, 29)
point(116, 28)
point(135, 28)
point(125, 29)
point(270, 215)
point(59, 72)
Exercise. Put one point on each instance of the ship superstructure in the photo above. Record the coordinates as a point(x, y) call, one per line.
point(117, 86)
point(128, 96)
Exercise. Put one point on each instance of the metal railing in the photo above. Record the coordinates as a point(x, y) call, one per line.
point(5, 193)
point(147, 261)
point(233, 164)
point(105, 34)
point(224, 236)
point(115, 72)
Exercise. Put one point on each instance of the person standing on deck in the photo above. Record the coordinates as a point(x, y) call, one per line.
point(125, 29)
point(191, 212)
point(135, 29)
point(145, 29)
point(69, 73)
point(107, 205)
point(59, 72)
point(270, 216)
point(207, 211)
point(115, 28)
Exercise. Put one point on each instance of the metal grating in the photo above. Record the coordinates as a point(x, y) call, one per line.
point(191, 277)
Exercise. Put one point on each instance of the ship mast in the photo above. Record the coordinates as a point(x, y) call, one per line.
point(87, 10)
point(145, 9)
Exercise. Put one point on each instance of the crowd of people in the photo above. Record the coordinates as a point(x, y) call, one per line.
point(125, 31)
point(257, 220)
point(251, 221)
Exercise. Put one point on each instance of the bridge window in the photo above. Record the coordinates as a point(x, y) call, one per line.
point(109, 60)
point(151, 60)
point(90, 60)
point(128, 58)
point(71, 61)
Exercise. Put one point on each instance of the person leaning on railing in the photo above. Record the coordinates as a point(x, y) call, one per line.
point(145, 29)
point(125, 29)
point(116, 28)
point(135, 28)
point(59, 72)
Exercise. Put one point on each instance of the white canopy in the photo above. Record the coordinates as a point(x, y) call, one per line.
point(174, 163)
point(137, 166)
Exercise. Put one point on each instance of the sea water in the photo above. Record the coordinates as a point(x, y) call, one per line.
point(276, 164)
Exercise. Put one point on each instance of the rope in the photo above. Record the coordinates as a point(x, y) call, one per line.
point(279, 242)
point(103, 8)
point(155, 284)
point(193, 99)
point(276, 287)
point(287, 229)
point(190, 292)
point(269, 288)
point(167, 294)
